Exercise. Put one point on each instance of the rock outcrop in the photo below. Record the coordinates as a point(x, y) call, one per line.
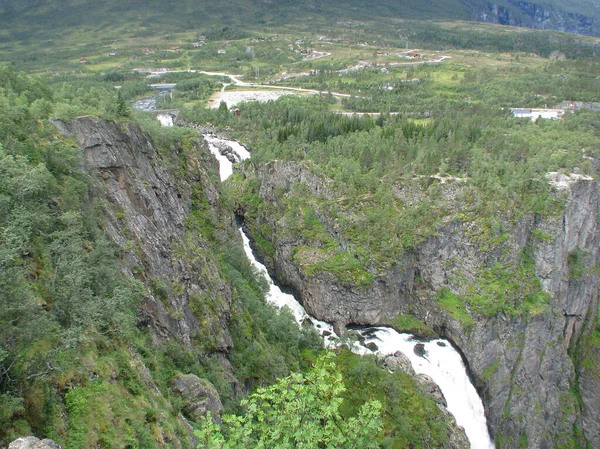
point(536, 15)
point(146, 207)
point(398, 362)
point(523, 363)
point(33, 443)
point(199, 397)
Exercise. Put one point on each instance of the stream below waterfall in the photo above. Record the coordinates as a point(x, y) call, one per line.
point(435, 358)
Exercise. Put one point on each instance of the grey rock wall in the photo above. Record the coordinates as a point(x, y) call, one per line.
point(199, 397)
point(536, 15)
point(33, 443)
point(522, 364)
point(146, 205)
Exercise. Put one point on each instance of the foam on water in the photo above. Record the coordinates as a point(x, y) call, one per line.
point(165, 119)
point(440, 360)
point(445, 366)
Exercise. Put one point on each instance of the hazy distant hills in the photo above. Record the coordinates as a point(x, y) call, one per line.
point(575, 16)
point(33, 16)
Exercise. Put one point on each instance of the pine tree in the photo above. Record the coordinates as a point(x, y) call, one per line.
point(122, 108)
point(223, 109)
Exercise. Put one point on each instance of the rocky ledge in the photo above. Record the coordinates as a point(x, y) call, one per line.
point(527, 365)
point(146, 205)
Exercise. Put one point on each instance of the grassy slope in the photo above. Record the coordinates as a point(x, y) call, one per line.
point(39, 23)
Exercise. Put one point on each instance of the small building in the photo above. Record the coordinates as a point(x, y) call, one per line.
point(221, 51)
point(534, 114)
point(197, 44)
point(112, 53)
point(83, 61)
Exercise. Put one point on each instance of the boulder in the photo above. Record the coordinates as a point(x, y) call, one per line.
point(371, 346)
point(399, 362)
point(419, 349)
point(199, 397)
point(31, 442)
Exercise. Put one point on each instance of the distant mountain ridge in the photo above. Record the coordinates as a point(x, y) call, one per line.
point(577, 16)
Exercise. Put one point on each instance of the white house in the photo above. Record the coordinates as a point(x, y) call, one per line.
point(534, 114)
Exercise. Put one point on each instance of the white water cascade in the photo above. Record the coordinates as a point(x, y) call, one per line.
point(440, 360)
point(165, 119)
point(437, 358)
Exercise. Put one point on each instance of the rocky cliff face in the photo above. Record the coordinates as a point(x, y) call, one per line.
point(146, 207)
point(525, 364)
point(535, 15)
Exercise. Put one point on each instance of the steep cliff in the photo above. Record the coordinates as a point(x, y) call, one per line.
point(519, 296)
point(146, 206)
point(159, 206)
point(539, 15)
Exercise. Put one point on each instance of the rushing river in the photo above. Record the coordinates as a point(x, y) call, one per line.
point(437, 358)
point(440, 360)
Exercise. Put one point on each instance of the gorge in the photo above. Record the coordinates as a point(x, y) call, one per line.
point(509, 356)
point(395, 227)
point(439, 360)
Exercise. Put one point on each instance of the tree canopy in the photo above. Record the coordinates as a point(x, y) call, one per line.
point(299, 411)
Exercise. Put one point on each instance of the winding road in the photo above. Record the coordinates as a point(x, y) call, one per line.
point(236, 81)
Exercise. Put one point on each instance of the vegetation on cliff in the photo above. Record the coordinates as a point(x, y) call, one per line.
point(76, 362)
point(432, 150)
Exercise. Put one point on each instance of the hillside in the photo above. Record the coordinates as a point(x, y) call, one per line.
point(35, 20)
point(392, 182)
point(128, 307)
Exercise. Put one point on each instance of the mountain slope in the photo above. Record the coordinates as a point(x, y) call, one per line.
point(571, 17)
point(40, 16)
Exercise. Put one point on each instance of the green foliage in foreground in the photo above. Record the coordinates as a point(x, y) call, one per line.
point(327, 403)
point(74, 366)
point(297, 411)
point(410, 418)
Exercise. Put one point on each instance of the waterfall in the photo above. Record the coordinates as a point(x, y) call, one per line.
point(165, 119)
point(281, 299)
point(436, 358)
point(439, 360)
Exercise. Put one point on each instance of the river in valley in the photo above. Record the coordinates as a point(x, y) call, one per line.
point(435, 358)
